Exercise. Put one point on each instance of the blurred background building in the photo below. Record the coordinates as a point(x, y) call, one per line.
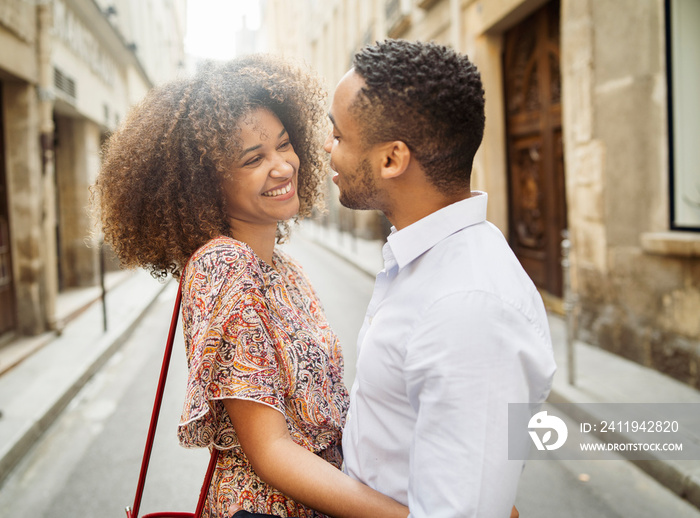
point(69, 70)
point(592, 124)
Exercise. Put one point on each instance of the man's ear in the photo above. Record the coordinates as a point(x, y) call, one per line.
point(395, 157)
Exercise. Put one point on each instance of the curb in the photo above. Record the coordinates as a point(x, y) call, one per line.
point(669, 473)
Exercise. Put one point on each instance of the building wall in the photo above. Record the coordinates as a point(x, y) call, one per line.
point(18, 26)
point(26, 208)
point(639, 292)
point(18, 23)
point(636, 281)
point(69, 70)
point(155, 28)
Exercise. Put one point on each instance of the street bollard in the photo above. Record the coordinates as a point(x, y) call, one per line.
point(569, 306)
point(103, 291)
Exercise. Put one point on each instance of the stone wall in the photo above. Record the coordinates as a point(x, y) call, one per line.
point(18, 34)
point(23, 162)
point(641, 303)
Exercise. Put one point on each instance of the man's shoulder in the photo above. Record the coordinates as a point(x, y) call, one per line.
point(475, 259)
point(473, 254)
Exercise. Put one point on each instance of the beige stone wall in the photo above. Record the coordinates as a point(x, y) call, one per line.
point(638, 294)
point(585, 154)
point(18, 34)
point(26, 114)
point(20, 109)
point(101, 77)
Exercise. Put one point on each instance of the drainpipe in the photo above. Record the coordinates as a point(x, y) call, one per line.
point(46, 97)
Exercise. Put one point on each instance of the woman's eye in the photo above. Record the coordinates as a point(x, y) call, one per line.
point(336, 138)
point(253, 161)
point(285, 145)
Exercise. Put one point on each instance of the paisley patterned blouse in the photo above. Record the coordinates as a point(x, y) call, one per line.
point(257, 332)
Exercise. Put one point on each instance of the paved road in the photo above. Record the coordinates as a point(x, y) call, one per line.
point(87, 463)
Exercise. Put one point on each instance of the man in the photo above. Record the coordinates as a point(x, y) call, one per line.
point(455, 329)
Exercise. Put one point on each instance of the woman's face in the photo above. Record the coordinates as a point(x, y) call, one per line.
point(261, 188)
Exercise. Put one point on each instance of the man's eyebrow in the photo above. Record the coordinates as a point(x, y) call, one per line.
point(330, 116)
point(253, 148)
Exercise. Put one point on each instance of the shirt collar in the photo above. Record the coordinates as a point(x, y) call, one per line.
point(414, 240)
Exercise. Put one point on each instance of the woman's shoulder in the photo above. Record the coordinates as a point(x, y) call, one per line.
point(224, 255)
point(223, 246)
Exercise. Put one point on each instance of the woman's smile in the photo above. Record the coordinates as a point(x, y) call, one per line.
point(279, 192)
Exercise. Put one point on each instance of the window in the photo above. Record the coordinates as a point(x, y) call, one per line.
point(683, 61)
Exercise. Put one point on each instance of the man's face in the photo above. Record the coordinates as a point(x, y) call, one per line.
point(350, 161)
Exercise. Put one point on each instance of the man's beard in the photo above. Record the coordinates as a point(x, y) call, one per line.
point(363, 194)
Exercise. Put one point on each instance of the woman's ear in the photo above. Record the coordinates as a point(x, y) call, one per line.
point(395, 158)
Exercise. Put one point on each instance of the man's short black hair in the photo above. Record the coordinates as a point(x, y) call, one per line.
point(427, 96)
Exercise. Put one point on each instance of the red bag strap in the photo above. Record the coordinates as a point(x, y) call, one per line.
point(133, 512)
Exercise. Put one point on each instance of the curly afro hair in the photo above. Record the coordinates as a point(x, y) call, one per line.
point(159, 193)
point(427, 96)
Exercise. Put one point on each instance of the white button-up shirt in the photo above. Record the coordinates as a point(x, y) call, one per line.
point(454, 332)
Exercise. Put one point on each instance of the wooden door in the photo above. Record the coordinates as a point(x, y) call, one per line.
point(7, 295)
point(537, 203)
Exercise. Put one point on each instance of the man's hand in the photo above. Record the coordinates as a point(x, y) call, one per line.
point(514, 513)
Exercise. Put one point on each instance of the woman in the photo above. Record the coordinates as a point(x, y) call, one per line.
point(200, 181)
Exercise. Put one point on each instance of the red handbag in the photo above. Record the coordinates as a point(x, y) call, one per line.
point(133, 511)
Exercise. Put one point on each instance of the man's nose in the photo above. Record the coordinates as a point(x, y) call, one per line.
point(328, 144)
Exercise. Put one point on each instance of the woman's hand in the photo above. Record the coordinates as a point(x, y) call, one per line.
point(514, 513)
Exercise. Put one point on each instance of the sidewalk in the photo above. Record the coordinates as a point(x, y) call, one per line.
point(601, 377)
point(40, 375)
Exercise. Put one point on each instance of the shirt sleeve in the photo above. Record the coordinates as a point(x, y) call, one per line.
point(471, 354)
point(231, 347)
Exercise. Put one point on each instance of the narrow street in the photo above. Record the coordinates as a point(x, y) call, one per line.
point(87, 464)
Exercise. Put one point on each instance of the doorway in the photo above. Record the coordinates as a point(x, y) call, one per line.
point(536, 188)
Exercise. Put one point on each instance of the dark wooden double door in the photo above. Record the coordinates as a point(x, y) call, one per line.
point(537, 202)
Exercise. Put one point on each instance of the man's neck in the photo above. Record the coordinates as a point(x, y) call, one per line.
point(412, 206)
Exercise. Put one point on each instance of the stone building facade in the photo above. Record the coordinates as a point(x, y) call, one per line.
point(591, 127)
point(69, 70)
